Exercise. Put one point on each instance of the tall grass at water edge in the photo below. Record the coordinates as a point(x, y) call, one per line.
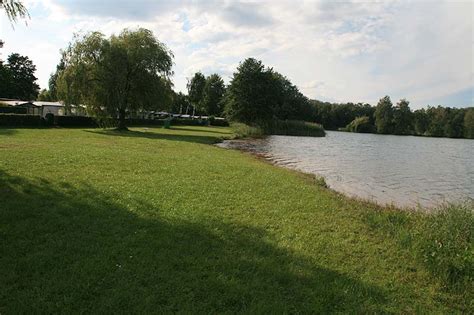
point(278, 127)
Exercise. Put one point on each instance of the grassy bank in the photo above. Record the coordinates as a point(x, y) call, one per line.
point(156, 220)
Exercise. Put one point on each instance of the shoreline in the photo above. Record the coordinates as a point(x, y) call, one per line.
point(320, 180)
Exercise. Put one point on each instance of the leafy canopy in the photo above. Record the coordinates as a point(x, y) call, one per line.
point(196, 90)
point(361, 124)
point(213, 94)
point(384, 115)
point(402, 118)
point(117, 75)
point(17, 78)
point(248, 98)
point(258, 93)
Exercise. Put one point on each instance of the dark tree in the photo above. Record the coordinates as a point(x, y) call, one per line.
point(402, 118)
point(45, 96)
point(438, 119)
point(257, 93)
point(421, 122)
point(213, 94)
point(384, 116)
point(5, 81)
point(180, 103)
point(52, 83)
point(454, 126)
point(289, 102)
point(18, 78)
point(362, 125)
point(469, 123)
point(334, 116)
point(196, 90)
point(249, 97)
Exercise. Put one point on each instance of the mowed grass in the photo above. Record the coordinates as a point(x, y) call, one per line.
point(158, 220)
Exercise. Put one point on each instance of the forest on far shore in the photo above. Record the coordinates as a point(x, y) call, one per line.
point(398, 119)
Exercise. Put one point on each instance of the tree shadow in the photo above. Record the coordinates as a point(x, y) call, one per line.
point(7, 132)
point(158, 136)
point(71, 248)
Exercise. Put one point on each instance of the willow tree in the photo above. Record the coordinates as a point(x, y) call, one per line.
point(13, 9)
point(117, 75)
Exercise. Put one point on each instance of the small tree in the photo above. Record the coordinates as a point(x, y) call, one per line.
point(361, 124)
point(420, 121)
point(180, 103)
point(212, 95)
point(438, 119)
point(5, 80)
point(53, 79)
point(116, 75)
point(196, 90)
point(384, 115)
point(45, 96)
point(454, 126)
point(402, 118)
point(469, 123)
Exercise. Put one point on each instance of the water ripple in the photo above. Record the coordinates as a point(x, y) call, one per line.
point(407, 171)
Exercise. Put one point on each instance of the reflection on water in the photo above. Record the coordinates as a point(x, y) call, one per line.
point(404, 170)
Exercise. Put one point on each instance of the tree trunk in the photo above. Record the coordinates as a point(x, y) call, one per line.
point(121, 121)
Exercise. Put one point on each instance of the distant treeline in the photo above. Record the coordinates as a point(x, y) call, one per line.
point(385, 118)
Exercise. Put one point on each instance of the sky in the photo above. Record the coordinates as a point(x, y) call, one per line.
point(336, 51)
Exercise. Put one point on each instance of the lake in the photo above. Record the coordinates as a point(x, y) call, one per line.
point(405, 171)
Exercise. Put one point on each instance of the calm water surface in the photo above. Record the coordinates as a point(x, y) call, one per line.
point(403, 170)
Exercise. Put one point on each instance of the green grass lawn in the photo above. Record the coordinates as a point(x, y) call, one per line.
point(158, 220)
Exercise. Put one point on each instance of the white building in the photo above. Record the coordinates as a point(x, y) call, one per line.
point(55, 108)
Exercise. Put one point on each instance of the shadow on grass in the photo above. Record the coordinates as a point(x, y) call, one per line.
point(160, 136)
point(71, 248)
point(7, 132)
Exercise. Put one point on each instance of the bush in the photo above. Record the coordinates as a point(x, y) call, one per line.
point(278, 127)
point(444, 242)
point(243, 131)
point(160, 122)
point(14, 120)
point(189, 122)
point(75, 121)
point(292, 128)
point(102, 122)
point(13, 110)
point(360, 124)
point(49, 119)
point(218, 122)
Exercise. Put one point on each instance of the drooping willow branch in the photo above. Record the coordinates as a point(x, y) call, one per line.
point(14, 9)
